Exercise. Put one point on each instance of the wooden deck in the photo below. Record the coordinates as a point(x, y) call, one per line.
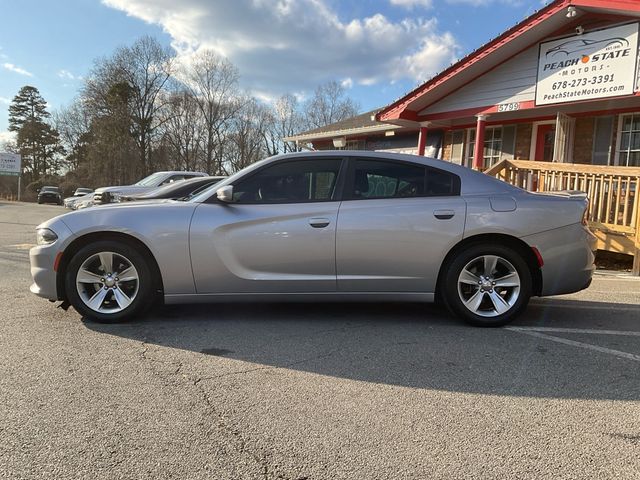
point(613, 192)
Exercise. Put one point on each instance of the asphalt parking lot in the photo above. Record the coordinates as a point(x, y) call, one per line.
point(273, 391)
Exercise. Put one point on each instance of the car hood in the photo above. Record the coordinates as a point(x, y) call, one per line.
point(160, 215)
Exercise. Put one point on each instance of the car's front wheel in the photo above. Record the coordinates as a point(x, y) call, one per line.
point(487, 285)
point(109, 281)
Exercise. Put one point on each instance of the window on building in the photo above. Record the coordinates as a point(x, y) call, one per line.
point(457, 146)
point(629, 145)
point(354, 145)
point(492, 146)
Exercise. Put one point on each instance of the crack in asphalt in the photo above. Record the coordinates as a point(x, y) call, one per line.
point(238, 441)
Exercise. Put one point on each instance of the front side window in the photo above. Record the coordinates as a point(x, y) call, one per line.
point(381, 179)
point(299, 181)
point(629, 148)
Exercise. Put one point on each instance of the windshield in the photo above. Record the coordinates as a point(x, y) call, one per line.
point(151, 180)
point(49, 189)
point(199, 190)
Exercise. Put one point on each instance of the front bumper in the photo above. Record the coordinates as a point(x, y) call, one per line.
point(49, 199)
point(42, 259)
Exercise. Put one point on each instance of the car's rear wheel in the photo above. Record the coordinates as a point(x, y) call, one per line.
point(109, 281)
point(487, 285)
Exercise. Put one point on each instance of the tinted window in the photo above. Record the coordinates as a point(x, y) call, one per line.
point(381, 179)
point(290, 182)
point(374, 179)
point(442, 183)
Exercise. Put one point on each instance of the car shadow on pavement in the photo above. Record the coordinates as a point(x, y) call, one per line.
point(408, 345)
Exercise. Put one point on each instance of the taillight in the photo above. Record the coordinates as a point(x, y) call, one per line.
point(538, 256)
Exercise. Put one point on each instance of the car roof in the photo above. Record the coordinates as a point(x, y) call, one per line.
point(177, 172)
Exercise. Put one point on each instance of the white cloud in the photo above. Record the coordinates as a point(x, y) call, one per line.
point(412, 3)
point(347, 83)
point(484, 3)
point(13, 68)
point(292, 45)
point(5, 100)
point(6, 137)
point(67, 75)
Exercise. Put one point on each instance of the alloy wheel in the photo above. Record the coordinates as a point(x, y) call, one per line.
point(107, 282)
point(489, 286)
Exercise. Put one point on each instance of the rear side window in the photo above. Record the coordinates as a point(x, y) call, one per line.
point(382, 179)
point(441, 183)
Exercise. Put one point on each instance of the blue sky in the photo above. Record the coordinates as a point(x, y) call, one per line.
point(379, 49)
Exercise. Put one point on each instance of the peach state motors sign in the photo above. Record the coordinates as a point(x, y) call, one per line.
point(597, 64)
point(10, 163)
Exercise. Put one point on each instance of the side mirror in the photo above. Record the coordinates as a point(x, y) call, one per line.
point(225, 194)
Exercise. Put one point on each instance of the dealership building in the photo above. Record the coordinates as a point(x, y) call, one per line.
point(561, 86)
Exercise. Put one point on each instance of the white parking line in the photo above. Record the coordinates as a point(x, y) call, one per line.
point(618, 307)
point(573, 343)
point(595, 331)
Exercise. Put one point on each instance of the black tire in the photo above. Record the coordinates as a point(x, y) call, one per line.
point(454, 292)
point(124, 254)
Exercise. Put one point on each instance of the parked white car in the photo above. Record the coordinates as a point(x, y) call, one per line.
point(69, 202)
point(113, 194)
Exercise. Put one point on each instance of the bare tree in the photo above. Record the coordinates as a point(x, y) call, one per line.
point(146, 67)
point(213, 81)
point(184, 131)
point(284, 120)
point(73, 123)
point(329, 105)
point(245, 141)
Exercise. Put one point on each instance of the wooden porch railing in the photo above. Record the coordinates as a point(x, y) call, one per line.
point(613, 192)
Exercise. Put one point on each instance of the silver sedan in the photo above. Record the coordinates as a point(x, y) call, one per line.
point(318, 226)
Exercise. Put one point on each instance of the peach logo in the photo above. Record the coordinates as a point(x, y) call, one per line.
point(585, 58)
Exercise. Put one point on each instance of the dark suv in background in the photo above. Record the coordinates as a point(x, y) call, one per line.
point(50, 194)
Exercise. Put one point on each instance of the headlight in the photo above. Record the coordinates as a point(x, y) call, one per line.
point(44, 236)
point(116, 197)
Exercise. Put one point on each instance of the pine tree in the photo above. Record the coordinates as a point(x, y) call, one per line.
point(37, 141)
point(27, 106)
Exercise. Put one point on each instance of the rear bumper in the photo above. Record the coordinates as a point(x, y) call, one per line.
point(568, 254)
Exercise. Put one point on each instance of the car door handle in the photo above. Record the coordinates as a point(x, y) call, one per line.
point(319, 222)
point(443, 214)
